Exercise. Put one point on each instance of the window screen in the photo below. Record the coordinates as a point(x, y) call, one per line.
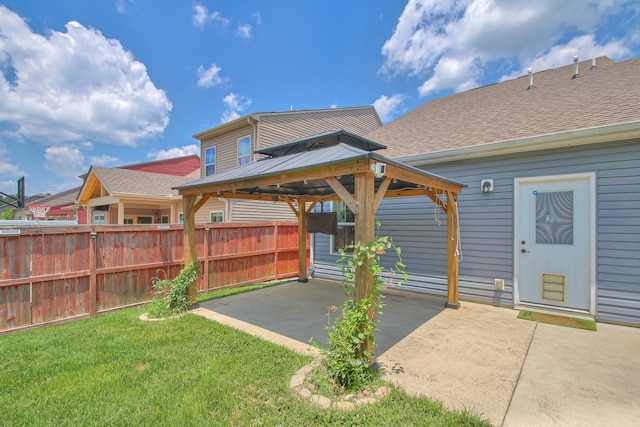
point(554, 218)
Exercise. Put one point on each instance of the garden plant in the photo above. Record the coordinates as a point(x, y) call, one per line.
point(347, 358)
point(171, 296)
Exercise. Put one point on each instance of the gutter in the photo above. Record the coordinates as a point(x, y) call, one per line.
point(594, 135)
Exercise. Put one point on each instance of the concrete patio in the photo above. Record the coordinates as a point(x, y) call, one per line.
point(513, 372)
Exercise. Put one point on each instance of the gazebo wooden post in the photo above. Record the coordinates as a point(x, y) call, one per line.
point(302, 241)
point(190, 255)
point(365, 233)
point(364, 230)
point(452, 251)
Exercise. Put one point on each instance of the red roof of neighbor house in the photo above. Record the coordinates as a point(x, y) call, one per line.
point(178, 166)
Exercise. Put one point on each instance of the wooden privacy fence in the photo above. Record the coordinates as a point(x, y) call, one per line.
point(54, 274)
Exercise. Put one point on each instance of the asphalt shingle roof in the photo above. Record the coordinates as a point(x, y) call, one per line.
point(606, 95)
point(124, 181)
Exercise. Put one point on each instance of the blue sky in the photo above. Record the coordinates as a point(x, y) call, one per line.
point(114, 82)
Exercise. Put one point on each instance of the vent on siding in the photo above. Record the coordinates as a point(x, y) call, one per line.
point(553, 287)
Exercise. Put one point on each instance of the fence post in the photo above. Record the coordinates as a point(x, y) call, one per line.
point(205, 258)
point(93, 291)
point(276, 239)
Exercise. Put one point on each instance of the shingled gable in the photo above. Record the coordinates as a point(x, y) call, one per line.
point(510, 111)
point(130, 182)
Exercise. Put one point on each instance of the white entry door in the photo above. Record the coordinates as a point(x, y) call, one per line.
point(554, 239)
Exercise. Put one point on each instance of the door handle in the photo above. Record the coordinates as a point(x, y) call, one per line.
point(524, 251)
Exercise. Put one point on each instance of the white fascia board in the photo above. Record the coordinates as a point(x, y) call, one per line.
point(617, 132)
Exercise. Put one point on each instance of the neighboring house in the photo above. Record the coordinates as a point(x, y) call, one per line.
point(551, 216)
point(233, 144)
point(137, 194)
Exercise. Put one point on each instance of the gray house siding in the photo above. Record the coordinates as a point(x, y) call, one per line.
point(487, 226)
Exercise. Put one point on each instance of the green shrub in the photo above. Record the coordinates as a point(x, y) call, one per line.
point(171, 295)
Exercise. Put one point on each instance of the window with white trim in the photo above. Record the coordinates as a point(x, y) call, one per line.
point(346, 227)
point(99, 218)
point(244, 150)
point(210, 161)
point(216, 216)
point(181, 218)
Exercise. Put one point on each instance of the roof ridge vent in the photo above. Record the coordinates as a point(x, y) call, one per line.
point(575, 67)
point(530, 71)
point(593, 63)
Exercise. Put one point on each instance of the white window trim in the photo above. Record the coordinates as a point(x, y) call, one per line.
point(216, 212)
point(215, 160)
point(101, 214)
point(238, 149)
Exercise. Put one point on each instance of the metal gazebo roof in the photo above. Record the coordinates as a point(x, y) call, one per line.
point(299, 168)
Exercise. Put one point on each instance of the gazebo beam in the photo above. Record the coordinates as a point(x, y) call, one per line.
point(343, 193)
point(283, 178)
point(416, 178)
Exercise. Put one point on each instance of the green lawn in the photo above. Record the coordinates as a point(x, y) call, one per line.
point(115, 370)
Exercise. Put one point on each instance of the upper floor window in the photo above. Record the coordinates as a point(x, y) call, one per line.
point(244, 150)
point(210, 161)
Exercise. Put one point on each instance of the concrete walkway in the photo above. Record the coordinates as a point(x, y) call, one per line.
point(512, 372)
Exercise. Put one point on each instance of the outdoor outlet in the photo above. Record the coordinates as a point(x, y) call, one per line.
point(499, 284)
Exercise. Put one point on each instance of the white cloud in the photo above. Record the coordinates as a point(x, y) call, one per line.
point(185, 150)
point(435, 39)
point(121, 5)
point(459, 74)
point(104, 159)
point(201, 16)
point(6, 167)
point(387, 106)
point(209, 77)
point(257, 18)
point(75, 85)
point(244, 31)
point(235, 105)
point(585, 47)
point(9, 187)
point(64, 160)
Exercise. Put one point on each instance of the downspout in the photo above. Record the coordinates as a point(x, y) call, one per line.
point(254, 137)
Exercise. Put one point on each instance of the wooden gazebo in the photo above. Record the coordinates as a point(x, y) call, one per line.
point(335, 165)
